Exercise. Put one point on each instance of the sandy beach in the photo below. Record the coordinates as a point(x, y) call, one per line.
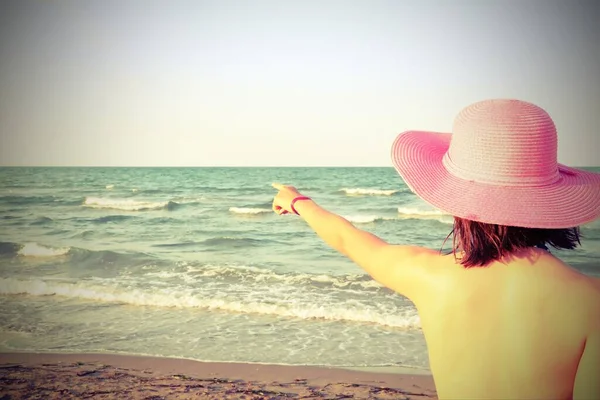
point(107, 376)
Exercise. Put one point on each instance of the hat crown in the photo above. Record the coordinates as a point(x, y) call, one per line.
point(503, 142)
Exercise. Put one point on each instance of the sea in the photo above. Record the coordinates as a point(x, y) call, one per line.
point(193, 263)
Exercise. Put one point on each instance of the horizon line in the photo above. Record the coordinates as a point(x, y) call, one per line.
point(196, 166)
point(228, 166)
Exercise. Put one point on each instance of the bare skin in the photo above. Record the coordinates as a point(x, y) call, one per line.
point(526, 327)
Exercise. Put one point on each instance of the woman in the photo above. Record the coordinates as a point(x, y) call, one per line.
point(502, 317)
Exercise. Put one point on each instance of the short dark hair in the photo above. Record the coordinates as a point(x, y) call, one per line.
point(483, 243)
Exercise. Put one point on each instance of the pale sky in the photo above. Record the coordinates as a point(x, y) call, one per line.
point(272, 83)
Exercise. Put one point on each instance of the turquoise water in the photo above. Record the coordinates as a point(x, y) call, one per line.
point(191, 262)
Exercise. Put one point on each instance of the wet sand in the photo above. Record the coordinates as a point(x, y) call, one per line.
point(108, 376)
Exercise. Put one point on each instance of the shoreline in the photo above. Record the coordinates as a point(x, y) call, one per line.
point(387, 369)
point(65, 375)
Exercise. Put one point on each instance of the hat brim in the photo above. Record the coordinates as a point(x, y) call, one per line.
point(573, 200)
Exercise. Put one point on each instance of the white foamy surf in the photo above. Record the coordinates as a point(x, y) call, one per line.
point(367, 192)
point(38, 250)
point(178, 297)
point(430, 214)
point(249, 210)
point(421, 212)
point(123, 204)
point(263, 276)
point(362, 219)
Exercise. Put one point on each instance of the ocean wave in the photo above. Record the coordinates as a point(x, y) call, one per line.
point(219, 243)
point(111, 218)
point(27, 199)
point(408, 214)
point(181, 244)
point(362, 219)
point(177, 297)
point(42, 221)
point(9, 248)
point(368, 192)
point(190, 200)
point(402, 213)
point(38, 250)
point(128, 204)
point(243, 273)
point(229, 242)
point(430, 214)
point(89, 259)
point(249, 210)
point(417, 211)
point(81, 257)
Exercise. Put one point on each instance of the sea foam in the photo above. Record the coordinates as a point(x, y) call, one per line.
point(178, 297)
point(249, 210)
point(38, 250)
point(417, 211)
point(263, 276)
point(368, 192)
point(125, 204)
point(362, 219)
point(430, 214)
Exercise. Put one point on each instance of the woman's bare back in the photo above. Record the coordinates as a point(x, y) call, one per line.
point(514, 330)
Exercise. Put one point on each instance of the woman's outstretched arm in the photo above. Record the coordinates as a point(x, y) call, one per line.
point(395, 266)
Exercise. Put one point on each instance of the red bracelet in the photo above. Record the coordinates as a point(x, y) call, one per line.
point(295, 200)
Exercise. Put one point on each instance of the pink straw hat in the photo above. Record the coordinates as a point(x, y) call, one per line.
point(499, 166)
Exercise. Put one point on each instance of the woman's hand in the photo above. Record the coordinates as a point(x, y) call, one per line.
point(282, 203)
